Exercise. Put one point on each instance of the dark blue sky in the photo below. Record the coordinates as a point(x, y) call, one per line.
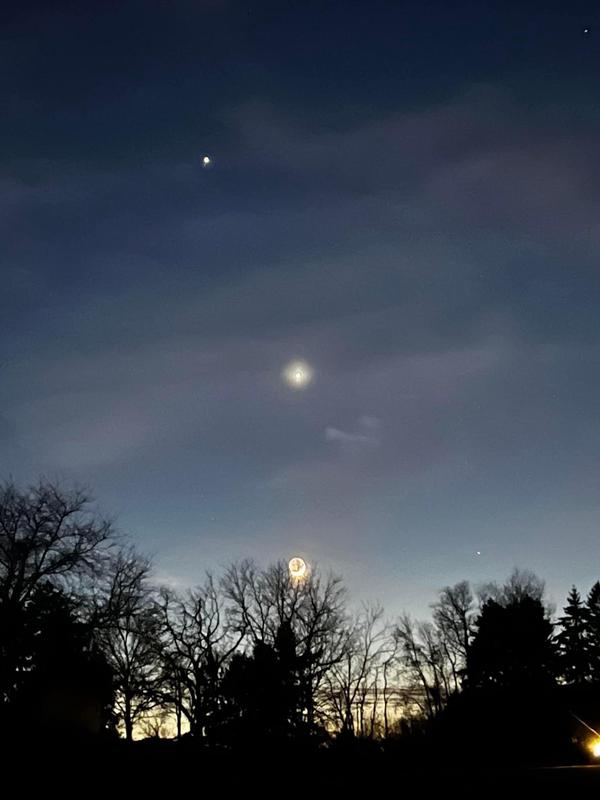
point(406, 195)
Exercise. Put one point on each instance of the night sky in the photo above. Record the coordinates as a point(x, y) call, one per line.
point(406, 195)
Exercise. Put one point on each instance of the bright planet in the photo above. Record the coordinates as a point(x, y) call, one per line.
point(297, 374)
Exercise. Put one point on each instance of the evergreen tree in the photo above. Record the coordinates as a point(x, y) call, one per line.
point(60, 681)
point(261, 693)
point(572, 640)
point(593, 631)
point(512, 646)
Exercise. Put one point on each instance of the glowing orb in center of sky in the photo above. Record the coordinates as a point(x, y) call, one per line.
point(297, 567)
point(206, 162)
point(297, 374)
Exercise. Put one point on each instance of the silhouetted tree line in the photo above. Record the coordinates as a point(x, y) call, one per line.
point(91, 646)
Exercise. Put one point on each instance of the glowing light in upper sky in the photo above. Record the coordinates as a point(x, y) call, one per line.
point(297, 374)
point(206, 162)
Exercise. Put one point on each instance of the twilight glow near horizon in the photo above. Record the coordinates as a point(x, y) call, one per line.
point(280, 279)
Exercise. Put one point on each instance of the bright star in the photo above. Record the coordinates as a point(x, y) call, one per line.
point(206, 162)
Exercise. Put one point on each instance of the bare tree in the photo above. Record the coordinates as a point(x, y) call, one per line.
point(425, 671)
point(320, 637)
point(198, 641)
point(432, 655)
point(519, 584)
point(156, 723)
point(261, 602)
point(352, 684)
point(127, 623)
point(390, 689)
point(453, 616)
point(47, 533)
point(48, 536)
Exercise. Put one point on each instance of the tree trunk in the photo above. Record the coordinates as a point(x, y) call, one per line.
point(128, 720)
point(386, 726)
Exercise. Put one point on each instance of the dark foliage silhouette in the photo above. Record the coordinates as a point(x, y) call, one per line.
point(573, 645)
point(512, 646)
point(260, 662)
point(262, 693)
point(61, 683)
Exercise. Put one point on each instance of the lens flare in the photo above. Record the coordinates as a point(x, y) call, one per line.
point(297, 568)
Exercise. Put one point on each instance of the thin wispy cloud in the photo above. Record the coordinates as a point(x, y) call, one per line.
point(433, 258)
point(367, 432)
